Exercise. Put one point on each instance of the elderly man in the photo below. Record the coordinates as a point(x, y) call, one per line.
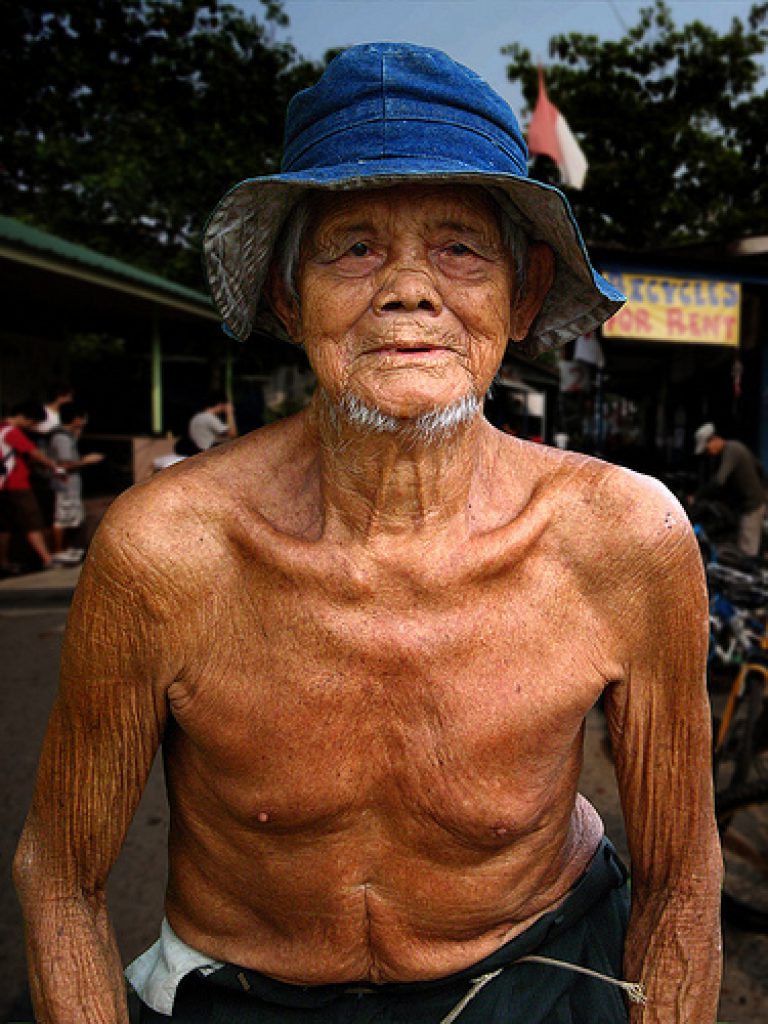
point(372, 711)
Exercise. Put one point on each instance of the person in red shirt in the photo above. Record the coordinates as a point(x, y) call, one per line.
point(19, 509)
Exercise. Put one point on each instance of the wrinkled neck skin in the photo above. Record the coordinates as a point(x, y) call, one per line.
point(377, 484)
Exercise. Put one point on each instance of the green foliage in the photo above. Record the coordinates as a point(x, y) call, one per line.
point(121, 124)
point(125, 122)
point(671, 122)
point(95, 348)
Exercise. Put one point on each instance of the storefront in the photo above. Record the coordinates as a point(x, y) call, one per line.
point(689, 346)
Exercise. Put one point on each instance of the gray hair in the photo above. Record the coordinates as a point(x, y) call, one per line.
point(430, 427)
point(287, 250)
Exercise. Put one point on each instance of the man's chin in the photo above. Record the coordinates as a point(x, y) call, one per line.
point(417, 421)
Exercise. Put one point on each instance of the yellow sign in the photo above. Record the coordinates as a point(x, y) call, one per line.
point(678, 309)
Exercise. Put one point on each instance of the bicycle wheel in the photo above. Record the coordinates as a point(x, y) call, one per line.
point(742, 820)
point(739, 755)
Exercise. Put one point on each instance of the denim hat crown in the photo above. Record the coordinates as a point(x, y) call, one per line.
point(385, 102)
point(384, 114)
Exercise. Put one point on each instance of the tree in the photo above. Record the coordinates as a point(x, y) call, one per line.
point(123, 123)
point(672, 125)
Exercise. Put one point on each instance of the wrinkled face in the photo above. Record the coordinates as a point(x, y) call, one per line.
point(405, 296)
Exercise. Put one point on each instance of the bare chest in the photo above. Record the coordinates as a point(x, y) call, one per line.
point(315, 700)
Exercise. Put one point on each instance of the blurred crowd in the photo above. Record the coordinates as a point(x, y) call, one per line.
point(42, 512)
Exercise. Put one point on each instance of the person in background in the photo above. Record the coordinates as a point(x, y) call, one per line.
point(19, 509)
point(69, 509)
point(738, 476)
point(207, 428)
point(58, 393)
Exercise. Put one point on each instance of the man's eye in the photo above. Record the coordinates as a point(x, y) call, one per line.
point(459, 249)
point(358, 249)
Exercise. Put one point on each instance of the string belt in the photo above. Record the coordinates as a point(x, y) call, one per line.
point(634, 990)
point(474, 988)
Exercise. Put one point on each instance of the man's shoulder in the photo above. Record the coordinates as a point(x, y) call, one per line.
point(574, 477)
point(173, 499)
point(737, 450)
point(203, 497)
point(643, 536)
point(599, 510)
point(138, 528)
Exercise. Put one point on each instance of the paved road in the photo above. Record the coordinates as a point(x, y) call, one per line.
point(32, 617)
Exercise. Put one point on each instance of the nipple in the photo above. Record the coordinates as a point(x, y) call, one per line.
point(262, 816)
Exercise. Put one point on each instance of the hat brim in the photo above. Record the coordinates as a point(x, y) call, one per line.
point(702, 437)
point(240, 237)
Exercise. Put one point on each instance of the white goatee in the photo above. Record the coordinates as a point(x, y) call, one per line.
point(428, 427)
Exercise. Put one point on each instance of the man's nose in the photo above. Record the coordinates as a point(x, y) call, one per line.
point(407, 287)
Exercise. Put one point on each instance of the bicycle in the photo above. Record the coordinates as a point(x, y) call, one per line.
point(742, 820)
point(739, 644)
point(741, 735)
point(739, 648)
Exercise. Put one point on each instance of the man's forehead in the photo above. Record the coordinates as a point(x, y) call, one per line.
point(459, 204)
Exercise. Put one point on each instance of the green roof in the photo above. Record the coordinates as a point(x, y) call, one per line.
point(17, 235)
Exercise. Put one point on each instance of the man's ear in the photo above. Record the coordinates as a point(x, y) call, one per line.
point(540, 273)
point(283, 305)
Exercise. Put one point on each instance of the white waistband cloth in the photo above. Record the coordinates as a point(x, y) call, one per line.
point(157, 973)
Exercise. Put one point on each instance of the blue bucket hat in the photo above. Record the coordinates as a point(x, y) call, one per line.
point(384, 114)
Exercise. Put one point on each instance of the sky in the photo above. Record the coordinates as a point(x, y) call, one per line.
point(473, 31)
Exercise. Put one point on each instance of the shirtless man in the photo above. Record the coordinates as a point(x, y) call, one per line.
point(368, 636)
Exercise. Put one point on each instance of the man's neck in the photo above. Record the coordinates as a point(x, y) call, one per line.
point(377, 483)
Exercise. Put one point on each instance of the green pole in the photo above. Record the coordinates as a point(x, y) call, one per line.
point(157, 377)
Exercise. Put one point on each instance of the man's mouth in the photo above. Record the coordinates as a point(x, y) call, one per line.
point(404, 349)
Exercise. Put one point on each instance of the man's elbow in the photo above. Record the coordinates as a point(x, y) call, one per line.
point(41, 876)
point(27, 868)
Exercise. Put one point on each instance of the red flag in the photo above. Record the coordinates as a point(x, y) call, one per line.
point(549, 135)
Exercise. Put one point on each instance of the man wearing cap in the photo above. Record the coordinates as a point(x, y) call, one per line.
point(372, 711)
point(738, 475)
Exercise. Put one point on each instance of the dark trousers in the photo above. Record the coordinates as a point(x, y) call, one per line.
point(588, 929)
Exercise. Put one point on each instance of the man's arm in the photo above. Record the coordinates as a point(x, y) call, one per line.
point(35, 455)
point(660, 725)
point(104, 730)
point(230, 429)
point(87, 460)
